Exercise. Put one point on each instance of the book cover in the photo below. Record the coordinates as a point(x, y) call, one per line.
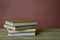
point(22, 34)
point(19, 28)
point(20, 22)
point(21, 31)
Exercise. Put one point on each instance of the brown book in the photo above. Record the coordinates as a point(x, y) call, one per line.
point(21, 31)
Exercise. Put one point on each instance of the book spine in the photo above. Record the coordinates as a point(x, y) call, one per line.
point(23, 28)
point(22, 34)
point(19, 24)
point(19, 28)
point(21, 31)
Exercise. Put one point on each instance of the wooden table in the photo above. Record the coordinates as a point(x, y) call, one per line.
point(46, 34)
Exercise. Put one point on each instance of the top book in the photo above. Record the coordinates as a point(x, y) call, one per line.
point(20, 22)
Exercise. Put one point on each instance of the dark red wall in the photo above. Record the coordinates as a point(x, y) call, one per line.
point(19, 9)
point(45, 12)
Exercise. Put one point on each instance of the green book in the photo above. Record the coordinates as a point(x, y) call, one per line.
point(20, 27)
point(20, 22)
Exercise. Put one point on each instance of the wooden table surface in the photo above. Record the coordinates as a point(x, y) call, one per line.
point(46, 34)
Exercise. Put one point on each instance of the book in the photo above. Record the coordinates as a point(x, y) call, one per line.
point(19, 28)
point(20, 22)
point(21, 31)
point(22, 34)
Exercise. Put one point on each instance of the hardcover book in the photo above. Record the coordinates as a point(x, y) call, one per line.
point(23, 34)
point(19, 28)
point(20, 22)
point(21, 31)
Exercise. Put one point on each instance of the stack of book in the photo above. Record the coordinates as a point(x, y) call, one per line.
point(20, 27)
